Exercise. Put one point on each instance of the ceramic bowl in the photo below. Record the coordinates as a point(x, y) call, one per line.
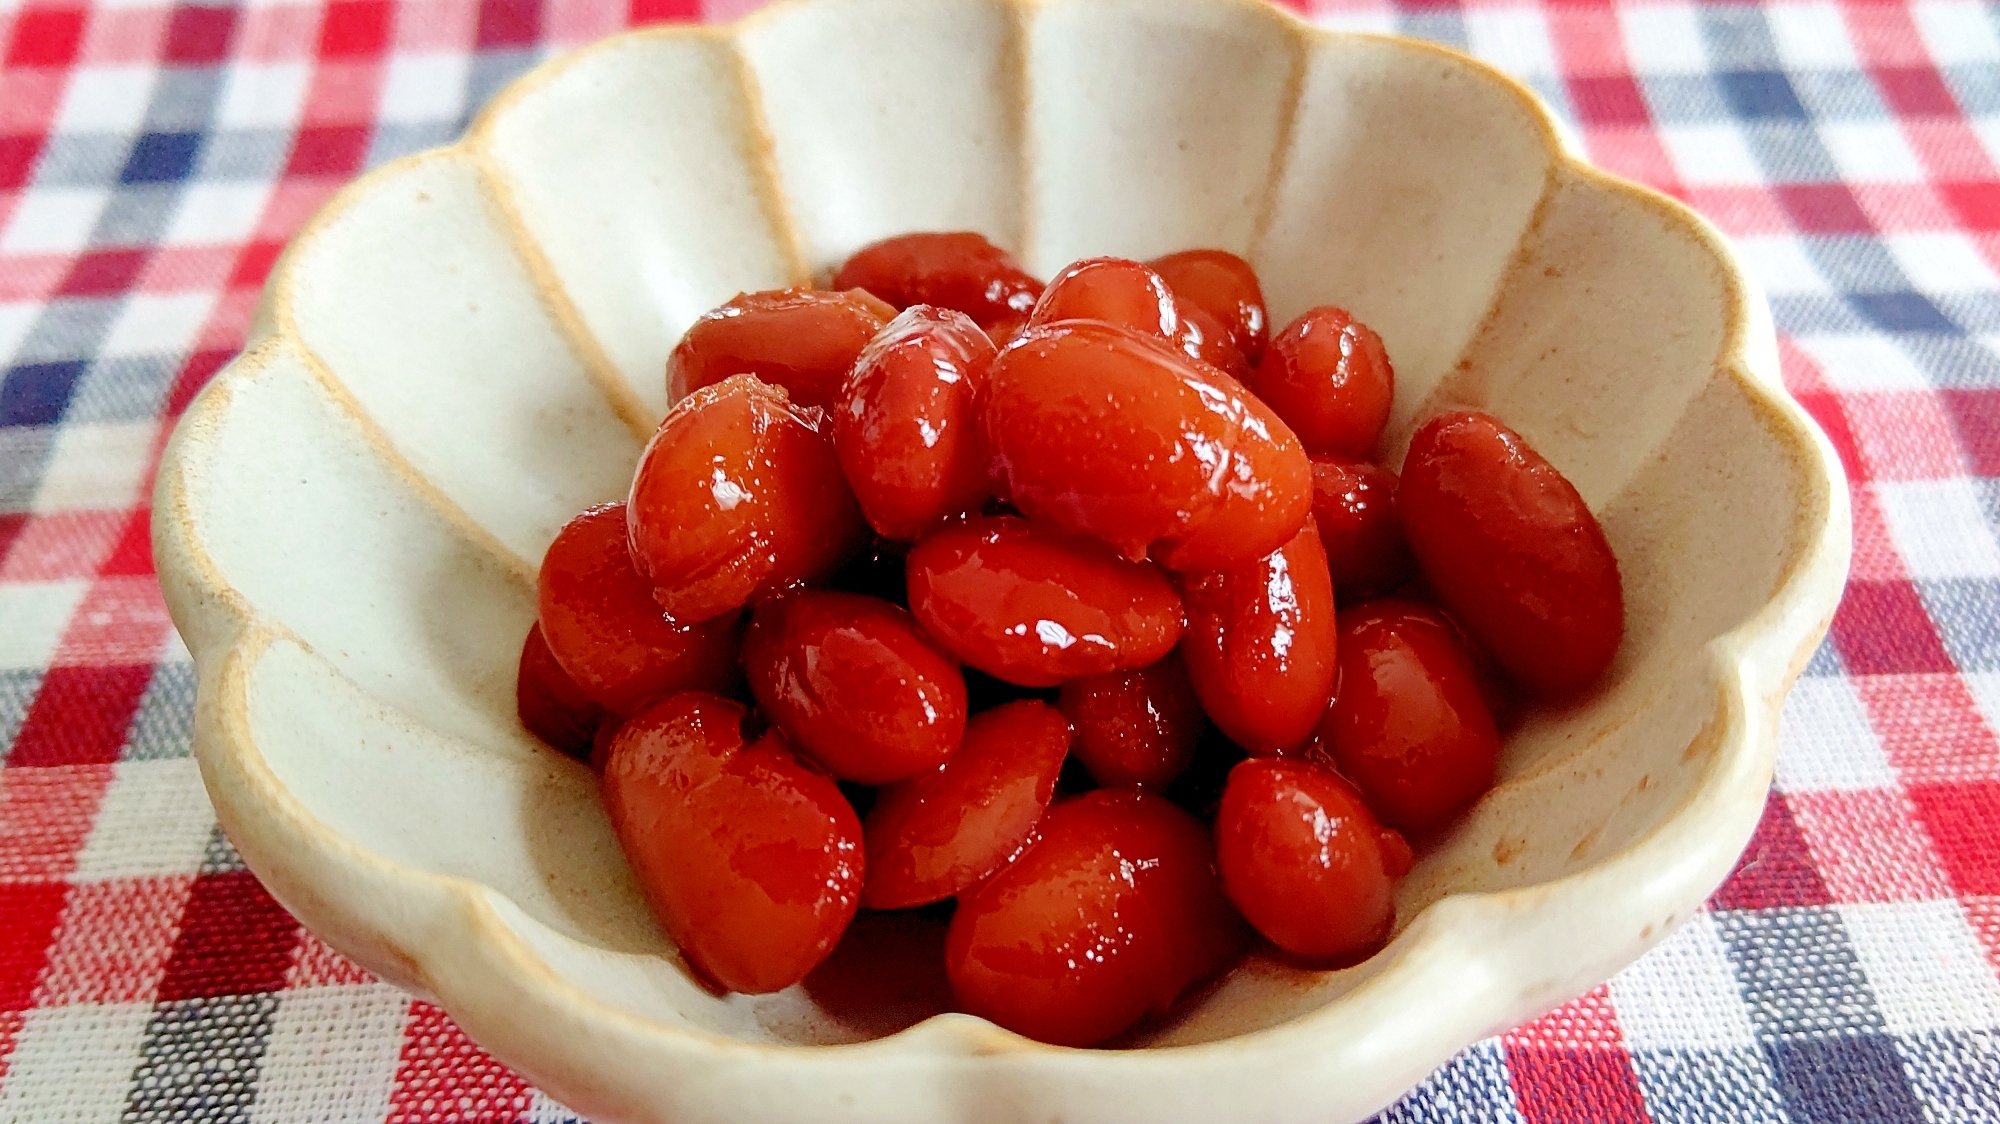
point(466, 347)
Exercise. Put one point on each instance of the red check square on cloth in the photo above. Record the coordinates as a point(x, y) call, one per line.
point(155, 156)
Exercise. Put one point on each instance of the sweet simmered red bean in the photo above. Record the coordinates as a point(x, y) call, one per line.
point(1113, 913)
point(1513, 551)
point(939, 834)
point(798, 339)
point(961, 271)
point(1224, 287)
point(604, 628)
point(1126, 294)
point(738, 495)
point(1112, 291)
point(1209, 340)
point(1328, 376)
point(854, 685)
point(1099, 431)
point(551, 705)
point(1003, 332)
point(1135, 728)
point(1304, 860)
point(904, 425)
point(1410, 726)
point(1260, 645)
point(1108, 546)
point(751, 861)
point(1034, 607)
point(1355, 508)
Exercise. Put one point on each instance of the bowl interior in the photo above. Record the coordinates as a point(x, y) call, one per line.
point(467, 348)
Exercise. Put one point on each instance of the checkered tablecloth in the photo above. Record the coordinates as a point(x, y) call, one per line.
point(154, 157)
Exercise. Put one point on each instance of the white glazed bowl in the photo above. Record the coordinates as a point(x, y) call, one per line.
point(466, 347)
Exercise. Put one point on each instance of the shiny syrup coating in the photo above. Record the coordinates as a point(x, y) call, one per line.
point(549, 702)
point(1114, 291)
point(956, 270)
point(602, 625)
point(1035, 607)
point(1354, 505)
point(1099, 431)
point(854, 684)
point(801, 339)
point(1225, 287)
point(940, 833)
point(738, 496)
point(1135, 728)
point(1260, 645)
point(1305, 861)
point(904, 425)
point(1209, 340)
point(1113, 913)
point(1129, 294)
point(751, 861)
point(1409, 726)
point(1512, 551)
point(1002, 332)
point(1329, 377)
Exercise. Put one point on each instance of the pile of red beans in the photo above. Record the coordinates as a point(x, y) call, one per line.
point(1077, 605)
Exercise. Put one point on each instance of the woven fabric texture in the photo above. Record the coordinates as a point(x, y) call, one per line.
point(155, 156)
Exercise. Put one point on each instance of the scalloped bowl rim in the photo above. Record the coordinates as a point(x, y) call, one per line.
point(487, 977)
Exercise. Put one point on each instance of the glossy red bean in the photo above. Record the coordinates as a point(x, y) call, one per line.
point(550, 704)
point(1114, 291)
point(603, 626)
point(1512, 551)
point(1225, 287)
point(1209, 340)
point(1260, 645)
point(1100, 432)
point(1002, 332)
point(938, 834)
point(1112, 914)
point(960, 270)
point(1034, 607)
point(905, 427)
point(737, 496)
point(1409, 725)
point(854, 684)
point(803, 340)
point(1354, 505)
point(1304, 860)
point(1135, 728)
point(1129, 294)
point(1329, 377)
point(751, 861)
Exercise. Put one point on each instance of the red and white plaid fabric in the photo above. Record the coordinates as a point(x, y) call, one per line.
point(154, 156)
